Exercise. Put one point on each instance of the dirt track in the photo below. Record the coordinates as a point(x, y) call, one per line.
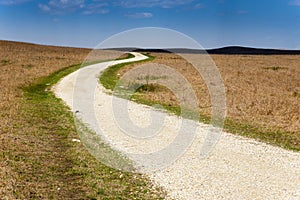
point(238, 168)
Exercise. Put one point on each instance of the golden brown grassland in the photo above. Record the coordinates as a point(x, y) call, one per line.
point(262, 92)
point(38, 159)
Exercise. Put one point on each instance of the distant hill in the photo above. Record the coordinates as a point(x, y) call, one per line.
point(252, 51)
point(231, 50)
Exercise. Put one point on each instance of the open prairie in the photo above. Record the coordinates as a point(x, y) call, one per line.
point(38, 159)
point(262, 93)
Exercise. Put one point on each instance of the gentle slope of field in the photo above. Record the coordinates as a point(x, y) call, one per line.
point(224, 174)
point(39, 159)
point(37, 156)
point(262, 94)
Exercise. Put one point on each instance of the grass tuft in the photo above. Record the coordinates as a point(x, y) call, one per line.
point(109, 77)
point(296, 94)
point(275, 68)
point(5, 62)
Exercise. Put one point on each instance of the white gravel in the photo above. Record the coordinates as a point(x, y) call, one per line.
point(237, 168)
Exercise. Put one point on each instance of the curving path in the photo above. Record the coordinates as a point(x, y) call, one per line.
point(238, 168)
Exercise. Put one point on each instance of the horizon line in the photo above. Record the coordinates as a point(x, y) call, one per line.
point(155, 48)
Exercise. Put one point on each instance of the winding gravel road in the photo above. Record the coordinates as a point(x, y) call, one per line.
point(237, 168)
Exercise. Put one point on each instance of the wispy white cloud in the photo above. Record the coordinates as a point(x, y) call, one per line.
point(140, 15)
point(199, 6)
point(236, 12)
point(44, 7)
point(294, 3)
point(151, 3)
point(86, 7)
point(12, 2)
point(61, 6)
point(69, 5)
point(96, 8)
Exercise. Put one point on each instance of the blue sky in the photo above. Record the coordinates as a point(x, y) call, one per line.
point(213, 23)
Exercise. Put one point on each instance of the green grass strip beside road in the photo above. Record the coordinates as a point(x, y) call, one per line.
point(65, 168)
point(284, 139)
point(109, 76)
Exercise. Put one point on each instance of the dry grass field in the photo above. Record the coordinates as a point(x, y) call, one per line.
point(38, 159)
point(262, 91)
point(20, 65)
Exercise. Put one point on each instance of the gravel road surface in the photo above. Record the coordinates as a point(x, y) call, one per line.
point(237, 168)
